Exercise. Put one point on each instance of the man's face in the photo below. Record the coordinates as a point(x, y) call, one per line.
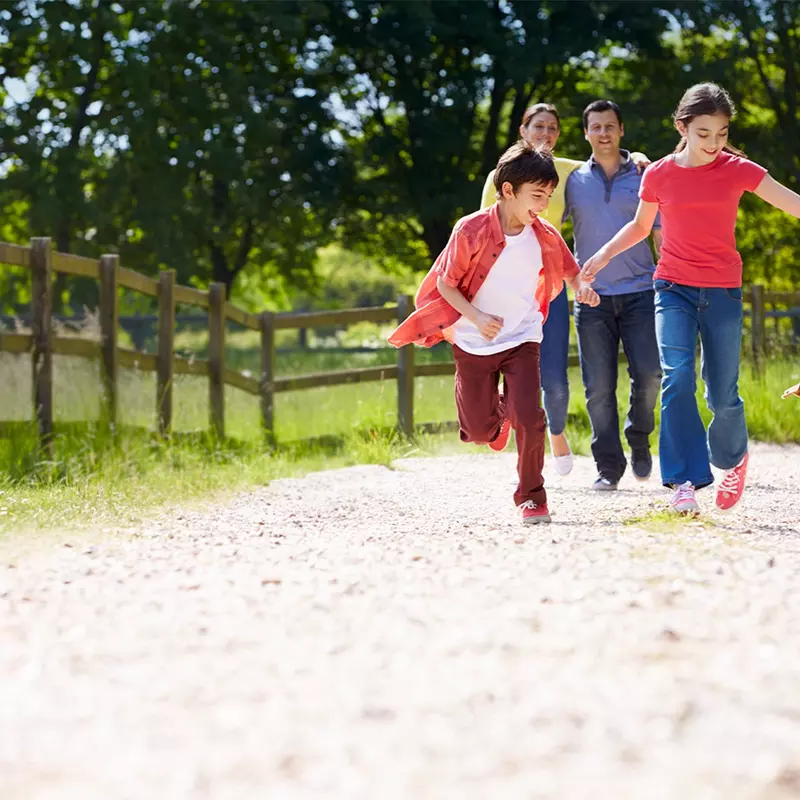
point(529, 201)
point(603, 132)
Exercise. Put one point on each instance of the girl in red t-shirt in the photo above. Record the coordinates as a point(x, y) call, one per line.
point(698, 291)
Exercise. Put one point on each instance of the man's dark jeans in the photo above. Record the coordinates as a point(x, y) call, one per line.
point(629, 318)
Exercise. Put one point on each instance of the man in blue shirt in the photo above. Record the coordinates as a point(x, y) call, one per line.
point(602, 196)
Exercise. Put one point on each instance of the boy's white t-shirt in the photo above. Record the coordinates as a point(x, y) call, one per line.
point(509, 291)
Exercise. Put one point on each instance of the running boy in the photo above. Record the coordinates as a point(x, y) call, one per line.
point(699, 290)
point(488, 294)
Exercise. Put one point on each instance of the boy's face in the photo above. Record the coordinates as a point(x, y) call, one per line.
point(529, 201)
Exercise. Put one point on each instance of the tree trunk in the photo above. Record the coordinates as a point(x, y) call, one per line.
point(490, 148)
point(436, 234)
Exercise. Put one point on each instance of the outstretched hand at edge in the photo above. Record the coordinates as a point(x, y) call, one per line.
point(792, 390)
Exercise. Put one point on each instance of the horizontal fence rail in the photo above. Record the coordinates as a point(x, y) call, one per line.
point(42, 344)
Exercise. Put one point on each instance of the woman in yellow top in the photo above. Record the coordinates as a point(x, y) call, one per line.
point(542, 126)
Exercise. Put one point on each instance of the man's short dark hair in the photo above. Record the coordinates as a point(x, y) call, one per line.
point(522, 163)
point(600, 105)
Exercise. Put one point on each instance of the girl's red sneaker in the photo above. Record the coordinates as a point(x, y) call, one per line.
point(731, 487)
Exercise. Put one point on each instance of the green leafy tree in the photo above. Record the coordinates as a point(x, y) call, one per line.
point(436, 91)
point(59, 66)
point(230, 162)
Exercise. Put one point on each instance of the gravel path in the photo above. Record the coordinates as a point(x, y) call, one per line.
point(375, 633)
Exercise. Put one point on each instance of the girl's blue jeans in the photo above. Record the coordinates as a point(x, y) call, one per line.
point(685, 450)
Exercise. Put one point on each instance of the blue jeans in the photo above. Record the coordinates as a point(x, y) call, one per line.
point(553, 364)
point(716, 314)
point(629, 318)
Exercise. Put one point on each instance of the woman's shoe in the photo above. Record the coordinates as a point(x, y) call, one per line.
point(562, 464)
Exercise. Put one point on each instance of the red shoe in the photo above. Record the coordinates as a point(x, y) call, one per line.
point(534, 513)
point(730, 489)
point(501, 441)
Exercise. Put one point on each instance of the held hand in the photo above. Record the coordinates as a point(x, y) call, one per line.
point(794, 390)
point(593, 265)
point(488, 325)
point(586, 295)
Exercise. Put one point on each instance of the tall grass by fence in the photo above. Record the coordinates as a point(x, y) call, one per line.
point(43, 344)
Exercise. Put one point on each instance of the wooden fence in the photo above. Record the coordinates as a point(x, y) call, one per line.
point(42, 344)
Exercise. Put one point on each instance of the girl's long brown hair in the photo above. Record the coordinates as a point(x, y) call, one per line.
point(705, 99)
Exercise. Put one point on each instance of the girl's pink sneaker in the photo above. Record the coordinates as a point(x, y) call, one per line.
point(683, 500)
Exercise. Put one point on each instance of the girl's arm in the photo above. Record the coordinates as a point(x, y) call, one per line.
point(778, 195)
point(633, 233)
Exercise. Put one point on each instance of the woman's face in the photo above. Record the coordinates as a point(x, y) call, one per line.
point(541, 129)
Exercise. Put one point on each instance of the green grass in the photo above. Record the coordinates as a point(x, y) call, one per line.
point(664, 520)
point(98, 478)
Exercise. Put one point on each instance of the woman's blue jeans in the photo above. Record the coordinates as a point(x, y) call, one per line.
point(684, 448)
point(554, 357)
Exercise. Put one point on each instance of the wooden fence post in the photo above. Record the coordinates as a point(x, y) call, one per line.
point(109, 320)
point(405, 373)
point(758, 326)
point(41, 325)
point(166, 349)
point(267, 320)
point(216, 357)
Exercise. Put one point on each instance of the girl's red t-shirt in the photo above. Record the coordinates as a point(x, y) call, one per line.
point(698, 217)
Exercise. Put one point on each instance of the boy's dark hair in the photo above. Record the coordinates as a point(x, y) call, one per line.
point(522, 163)
point(600, 105)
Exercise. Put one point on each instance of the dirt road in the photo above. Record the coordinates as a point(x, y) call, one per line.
point(376, 633)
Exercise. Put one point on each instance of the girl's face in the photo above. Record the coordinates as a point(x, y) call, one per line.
point(705, 136)
point(541, 129)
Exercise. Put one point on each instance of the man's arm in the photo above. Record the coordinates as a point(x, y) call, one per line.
point(488, 325)
point(640, 161)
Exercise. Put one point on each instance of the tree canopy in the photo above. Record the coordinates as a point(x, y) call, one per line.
point(232, 139)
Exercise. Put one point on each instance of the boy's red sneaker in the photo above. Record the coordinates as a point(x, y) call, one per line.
point(534, 513)
point(501, 441)
point(731, 487)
